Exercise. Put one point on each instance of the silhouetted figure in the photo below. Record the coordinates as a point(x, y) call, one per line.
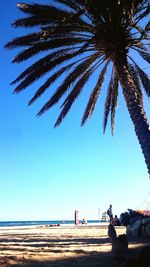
point(110, 213)
point(119, 244)
point(116, 221)
point(84, 221)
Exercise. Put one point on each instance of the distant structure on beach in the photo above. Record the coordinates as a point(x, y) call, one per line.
point(76, 217)
point(104, 217)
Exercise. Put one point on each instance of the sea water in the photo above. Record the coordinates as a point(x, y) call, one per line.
point(35, 223)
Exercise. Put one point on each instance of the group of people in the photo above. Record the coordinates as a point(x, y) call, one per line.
point(113, 220)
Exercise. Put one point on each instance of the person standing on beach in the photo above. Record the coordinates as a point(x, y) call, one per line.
point(110, 214)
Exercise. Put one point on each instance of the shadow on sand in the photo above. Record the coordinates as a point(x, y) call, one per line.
point(82, 258)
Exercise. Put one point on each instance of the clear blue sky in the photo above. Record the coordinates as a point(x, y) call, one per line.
point(47, 173)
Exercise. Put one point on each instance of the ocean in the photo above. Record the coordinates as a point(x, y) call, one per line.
point(36, 223)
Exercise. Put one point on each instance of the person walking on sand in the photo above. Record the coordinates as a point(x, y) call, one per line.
point(110, 214)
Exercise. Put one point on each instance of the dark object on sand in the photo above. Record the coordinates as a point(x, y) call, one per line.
point(125, 218)
point(51, 225)
point(129, 217)
point(143, 259)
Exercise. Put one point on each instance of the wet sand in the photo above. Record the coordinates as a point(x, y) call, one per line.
point(46, 246)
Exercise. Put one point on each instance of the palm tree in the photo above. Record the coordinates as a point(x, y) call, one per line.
point(82, 37)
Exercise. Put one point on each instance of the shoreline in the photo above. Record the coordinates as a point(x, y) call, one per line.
point(63, 225)
point(53, 222)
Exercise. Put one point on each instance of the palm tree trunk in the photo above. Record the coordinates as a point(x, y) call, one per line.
point(136, 111)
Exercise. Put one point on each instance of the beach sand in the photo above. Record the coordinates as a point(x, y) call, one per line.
point(46, 246)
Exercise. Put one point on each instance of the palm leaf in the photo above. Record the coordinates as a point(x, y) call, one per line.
point(71, 4)
point(40, 63)
point(48, 11)
point(37, 70)
point(147, 27)
point(26, 40)
point(40, 15)
point(69, 80)
point(144, 55)
point(144, 79)
point(94, 96)
point(145, 7)
point(51, 57)
point(32, 21)
point(83, 33)
point(45, 46)
point(66, 30)
point(108, 102)
point(114, 98)
point(49, 82)
point(73, 95)
point(134, 74)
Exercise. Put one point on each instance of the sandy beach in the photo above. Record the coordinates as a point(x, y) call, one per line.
point(58, 246)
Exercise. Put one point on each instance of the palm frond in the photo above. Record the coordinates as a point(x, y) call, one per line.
point(40, 15)
point(26, 40)
point(138, 46)
point(40, 63)
point(40, 68)
point(31, 22)
point(77, 37)
point(94, 95)
point(66, 30)
point(52, 56)
point(108, 101)
point(144, 79)
point(134, 74)
point(69, 3)
point(114, 98)
point(147, 27)
point(73, 95)
point(45, 46)
point(144, 55)
point(69, 80)
point(143, 11)
point(77, 7)
point(49, 82)
point(44, 11)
